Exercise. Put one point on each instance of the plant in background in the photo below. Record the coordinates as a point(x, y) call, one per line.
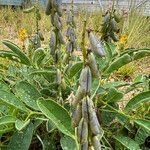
point(23, 36)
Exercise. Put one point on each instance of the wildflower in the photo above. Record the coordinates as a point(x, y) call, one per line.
point(123, 42)
point(23, 35)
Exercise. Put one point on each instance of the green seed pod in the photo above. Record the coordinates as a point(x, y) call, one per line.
point(41, 36)
point(93, 65)
point(52, 43)
point(117, 17)
point(29, 10)
point(48, 7)
point(58, 77)
point(85, 108)
point(84, 146)
point(59, 10)
point(38, 15)
point(76, 116)
point(96, 45)
point(70, 47)
point(57, 22)
point(114, 37)
point(63, 84)
point(106, 19)
point(82, 131)
point(37, 41)
point(114, 25)
point(85, 79)
point(61, 38)
point(96, 143)
point(65, 58)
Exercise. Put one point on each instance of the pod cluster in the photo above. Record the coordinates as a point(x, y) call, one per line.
point(54, 9)
point(109, 26)
point(84, 116)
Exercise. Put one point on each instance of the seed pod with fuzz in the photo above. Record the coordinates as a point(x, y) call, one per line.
point(82, 131)
point(52, 43)
point(48, 7)
point(85, 114)
point(84, 146)
point(96, 45)
point(57, 22)
point(69, 18)
point(63, 83)
point(93, 65)
point(70, 47)
point(85, 79)
point(114, 37)
point(61, 38)
point(41, 36)
point(96, 143)
point(114, 25)
point(77, 115)
point(58, 77)
point(79, 95)
point(68, 32)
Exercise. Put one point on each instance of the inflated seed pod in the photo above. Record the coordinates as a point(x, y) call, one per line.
point(85, 79)
point(61, 38)
point(68, 31)
point(37, 41)
point(57, 22)
point(69, 18)
point(52, 43)
point(48, 7)
point(93, 121)
point(96, 143)
point(57, 56)
point(63, 83)
point(59, 10)
point(58, 77)
point(106, 19)
point(70, 47)
point(77, 115)
point(84, 146)
point(96, 45)
point(93, 65)
point(65, 58)
point(38, 15)
point(117, 17)
point(114, 37)
point(85, 114)
point(113, 24)
point(41, 36)
point(79, 95)
point(82, 131)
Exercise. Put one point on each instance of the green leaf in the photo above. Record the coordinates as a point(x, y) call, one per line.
point(141, 54)
point(127, 142)
point(4, 86)
point(24, 59)
point(58, 115)
point(38, 56)
point(21, 140)
point(50, 126)
point(143, 123)
point(114, 95)
point(21, 124)
point(10, 55)
point(75, 69)
point(10, 99)
point(137, 100)
point(141, 135)
point(119, 62)
point(67, 143)
point(7, 120)
point(28, 94)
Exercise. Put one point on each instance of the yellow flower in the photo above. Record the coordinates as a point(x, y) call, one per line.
point(23, 35)
point(123, 42)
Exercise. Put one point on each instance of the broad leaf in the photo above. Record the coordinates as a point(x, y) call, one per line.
point(21, 140)
point(21, 124)
point(28, 94)
point(4, 86)
point(17, 51)
point(7, 120)
point(75, 69)
point(141, 54)
point(58, 115)
point(137, 100)
point(114, 95)
point(68, 143)
point(119, 62)
point(10, 99)
point(127, 142)
point(143, 123)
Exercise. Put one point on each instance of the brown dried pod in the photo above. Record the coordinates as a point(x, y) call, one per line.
point(85, 108)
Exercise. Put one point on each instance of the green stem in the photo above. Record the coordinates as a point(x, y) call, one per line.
point(33, 113)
